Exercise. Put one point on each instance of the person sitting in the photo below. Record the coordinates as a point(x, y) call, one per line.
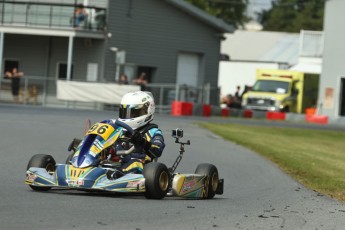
point(137, 110)
point(80, 15)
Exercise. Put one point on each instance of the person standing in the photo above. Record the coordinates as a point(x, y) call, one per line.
point(15, 76)
point(237, 93)
point(123, 79)
point(142, 81)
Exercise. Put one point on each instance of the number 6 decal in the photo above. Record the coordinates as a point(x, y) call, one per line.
point(102, 129)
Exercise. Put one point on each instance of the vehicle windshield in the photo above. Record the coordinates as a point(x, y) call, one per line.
point(280, 87)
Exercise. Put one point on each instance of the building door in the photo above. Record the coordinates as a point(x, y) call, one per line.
point(188, 66)
point(342, 97)
point(10, 64)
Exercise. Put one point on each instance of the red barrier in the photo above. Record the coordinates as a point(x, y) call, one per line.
point(176, 108)
point(206, 110)
point(180, 108)
point(225, 112)
point(270, 115)
point(187, 109)
point(247, 113)
point(310, 111)
point(319, 119)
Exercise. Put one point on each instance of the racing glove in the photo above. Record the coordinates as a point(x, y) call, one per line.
point(139, 141)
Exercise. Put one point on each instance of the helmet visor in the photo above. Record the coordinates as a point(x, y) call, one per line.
point(132, 111)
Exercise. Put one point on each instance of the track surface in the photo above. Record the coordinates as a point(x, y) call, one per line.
point(257, 194)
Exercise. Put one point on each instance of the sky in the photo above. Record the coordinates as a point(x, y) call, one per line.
point(257, 5)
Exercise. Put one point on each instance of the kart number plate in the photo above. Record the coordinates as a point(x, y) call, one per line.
point(100, 129)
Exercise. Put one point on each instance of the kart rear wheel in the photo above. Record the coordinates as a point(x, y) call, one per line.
point(42, 161)
point(157, 180)
point(212, 173)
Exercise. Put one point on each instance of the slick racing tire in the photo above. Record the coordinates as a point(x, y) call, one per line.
point(157, 180)
point(211, 172)
point(42, 161)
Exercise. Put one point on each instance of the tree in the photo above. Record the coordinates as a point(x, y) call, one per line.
point(230, 11)
point(293, 15)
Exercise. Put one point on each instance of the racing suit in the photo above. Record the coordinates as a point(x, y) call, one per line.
point(149, 147)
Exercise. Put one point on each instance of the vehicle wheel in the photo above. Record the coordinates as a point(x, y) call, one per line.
point(157, 180)
point(212, 173)
point(69, 158)
point(286, 109)
point(74, 144)
point(42, 161)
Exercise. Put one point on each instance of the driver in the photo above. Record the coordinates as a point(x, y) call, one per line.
point(137, 110)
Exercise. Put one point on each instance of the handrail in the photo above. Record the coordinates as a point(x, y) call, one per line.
point(31, 14)
point(51, 4)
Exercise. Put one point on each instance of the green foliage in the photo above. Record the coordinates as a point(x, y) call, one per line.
point(293, 15)
point(313, 157)
point(230, 11)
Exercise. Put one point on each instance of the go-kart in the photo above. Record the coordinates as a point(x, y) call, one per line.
point(87, 166)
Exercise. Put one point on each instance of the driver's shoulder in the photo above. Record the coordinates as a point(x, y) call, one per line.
point(152, 129)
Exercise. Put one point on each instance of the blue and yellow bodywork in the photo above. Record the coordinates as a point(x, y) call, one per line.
point(91, 178)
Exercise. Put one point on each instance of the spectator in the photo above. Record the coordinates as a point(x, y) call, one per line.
point(141, 80)
point(237, 93)
point(231, 102)
point(246, 89)
point(15, 76)
point(123, 80)
point(80, 15)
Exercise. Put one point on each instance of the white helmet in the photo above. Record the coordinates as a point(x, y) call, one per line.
point(137, 109)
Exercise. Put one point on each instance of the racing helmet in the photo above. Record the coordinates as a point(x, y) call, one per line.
point(137, 109)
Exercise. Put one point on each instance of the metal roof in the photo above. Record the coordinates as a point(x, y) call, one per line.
point(262, 46)
point(218, 24)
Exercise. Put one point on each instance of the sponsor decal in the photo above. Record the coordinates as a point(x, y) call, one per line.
point(31, 177)
point(98, 144)
point(188, 185)
point(92, 153)
point(75, 183)
point(135, 184)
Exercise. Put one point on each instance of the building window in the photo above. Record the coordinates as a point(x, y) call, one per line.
point(62, 71)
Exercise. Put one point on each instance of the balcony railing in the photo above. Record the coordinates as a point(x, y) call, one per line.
point(50, 15)
point(311, 43)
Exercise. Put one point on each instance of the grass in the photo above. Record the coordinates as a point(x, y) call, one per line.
point(315, 158)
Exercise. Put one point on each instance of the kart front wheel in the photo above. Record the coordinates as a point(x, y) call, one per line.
point(157, 180)
point(42, 161)
point(211, 172)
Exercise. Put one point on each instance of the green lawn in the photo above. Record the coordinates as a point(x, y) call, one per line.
point(315, 158)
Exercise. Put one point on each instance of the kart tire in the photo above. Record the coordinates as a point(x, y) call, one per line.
point(42, 161)
point(157, 180)
point(212, 173)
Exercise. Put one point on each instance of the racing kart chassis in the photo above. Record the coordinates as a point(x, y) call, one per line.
point(156, 181)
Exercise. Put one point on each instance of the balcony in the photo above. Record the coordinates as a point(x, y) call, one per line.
point(52, 16)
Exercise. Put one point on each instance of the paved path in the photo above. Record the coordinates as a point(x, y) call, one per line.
point(257, 194)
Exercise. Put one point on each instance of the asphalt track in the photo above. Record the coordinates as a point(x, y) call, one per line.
point(257, 194)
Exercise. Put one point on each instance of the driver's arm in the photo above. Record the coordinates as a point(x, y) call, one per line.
point(157, 145)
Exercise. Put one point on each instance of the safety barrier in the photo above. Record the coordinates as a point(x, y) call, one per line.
point(271, 115)
point(180, 108)
point(314, 118)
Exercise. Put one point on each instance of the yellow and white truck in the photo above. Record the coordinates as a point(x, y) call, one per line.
point(282, 90)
